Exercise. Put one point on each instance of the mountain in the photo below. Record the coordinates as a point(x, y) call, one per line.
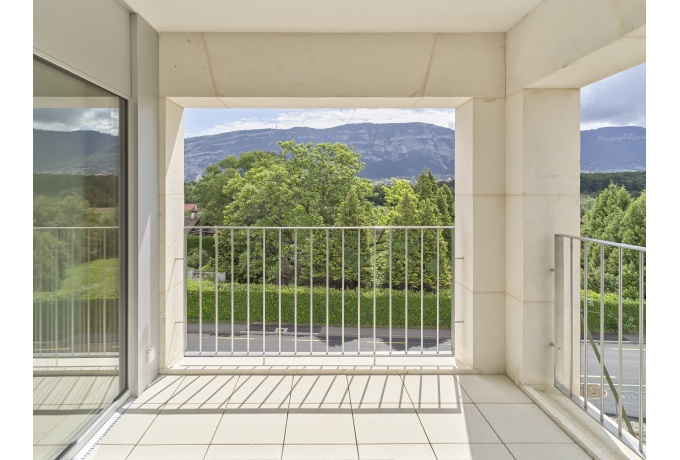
point(404, 149)
point(388, 150)
point(75, 152)
point(614, 149)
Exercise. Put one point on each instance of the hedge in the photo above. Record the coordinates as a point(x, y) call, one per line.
point(319, 302)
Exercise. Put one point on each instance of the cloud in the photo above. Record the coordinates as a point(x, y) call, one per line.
point(104, 120)
point(327, 118)
point(619, 100)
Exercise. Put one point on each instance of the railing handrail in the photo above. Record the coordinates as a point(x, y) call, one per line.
point(607, 243)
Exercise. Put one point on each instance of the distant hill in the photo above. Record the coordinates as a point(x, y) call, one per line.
point(614, 149)
point(388, 150)
point(75, 152)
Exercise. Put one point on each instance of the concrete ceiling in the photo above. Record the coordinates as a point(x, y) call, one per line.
point(332, 16)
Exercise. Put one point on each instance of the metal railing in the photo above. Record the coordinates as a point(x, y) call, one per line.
point(353, 291)
point(600, 332)
point(76, 311)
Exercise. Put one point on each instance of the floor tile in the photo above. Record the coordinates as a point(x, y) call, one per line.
point(305, 428)
point(240, 452)
point(165, 452)
point(466, 425)
point(251, 427)
point(435, 391)
point(159, 392)
point(472, 452)
point(110, 452)
point(204, 389)
point(395, 452)
point(374, 389)
point(398, 406)
point(309, 389)
point(552, 451)
point(260, 389)
point(492, 389)
point(323, 407)
point(522, 423)
point(326, 452)
point(187, 428)
point(387, 427)
point(129, 428)
point(208, 408)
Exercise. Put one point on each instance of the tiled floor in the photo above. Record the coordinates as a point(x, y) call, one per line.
point(334, 416)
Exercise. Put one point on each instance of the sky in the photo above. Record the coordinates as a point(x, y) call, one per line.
point(619, 100)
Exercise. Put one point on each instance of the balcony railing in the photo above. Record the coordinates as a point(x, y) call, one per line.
point(600, 332)
point(349, 291)
point(76, 309)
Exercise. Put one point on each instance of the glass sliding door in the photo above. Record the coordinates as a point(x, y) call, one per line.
point(79, 292)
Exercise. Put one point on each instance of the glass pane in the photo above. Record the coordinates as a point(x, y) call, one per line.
point(78, 364)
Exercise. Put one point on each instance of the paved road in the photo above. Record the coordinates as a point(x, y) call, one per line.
point(320, 340)
point(628, 376)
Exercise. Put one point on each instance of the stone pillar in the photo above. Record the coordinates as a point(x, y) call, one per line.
point(542, 186)
point(171, 235)
point(480, 235)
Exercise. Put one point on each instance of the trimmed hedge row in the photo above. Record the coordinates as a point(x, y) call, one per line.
point(630, 314)
point(319, 303)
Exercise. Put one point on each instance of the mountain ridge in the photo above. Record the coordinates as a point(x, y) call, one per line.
point(388, 149)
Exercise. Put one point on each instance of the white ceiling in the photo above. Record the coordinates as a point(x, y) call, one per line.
point(332, 16)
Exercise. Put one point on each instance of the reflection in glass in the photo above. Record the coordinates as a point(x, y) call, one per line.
point(78, 316)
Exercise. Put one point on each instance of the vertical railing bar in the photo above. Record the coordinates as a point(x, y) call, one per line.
point(200, 290)
point(280, 291)
point(406, 291)
point(375, 280)
point(558, 267)
point(56, 290)
point(571, 316)
point(453, 289)
point(422, 289)
point(389, 287)
point(248, 290)
point(232, 290)
point(438, 232)
point(89, 293)
point(40, 286)
point(358, 291)
point(327, 287)
point(641, 339)
point(602, 333)
point(311, 290)
point(264, 291)
point(342, 281)
point(585, 324)
point(295, 297)
point(619, 402)
point(104, 297)
point(73, 288)
point(217, 296)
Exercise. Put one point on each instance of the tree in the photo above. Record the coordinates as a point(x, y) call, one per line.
point(322, 175)
point(426, 185)
point(445, 205)
point(605, 221)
